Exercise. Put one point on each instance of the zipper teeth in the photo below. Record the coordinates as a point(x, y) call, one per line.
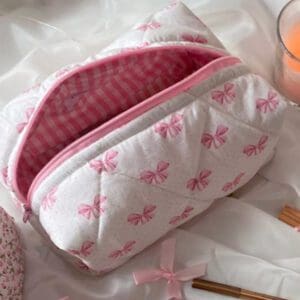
point(49, 166)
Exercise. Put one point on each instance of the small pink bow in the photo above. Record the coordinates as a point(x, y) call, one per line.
point(268, 104)
point(171, 128)
point(96, 209)
point(201, 182)
point(215, 140)
point(107, 164)
point(166, 271)
point(185, 214)
point(250, 150)
point(157, 176)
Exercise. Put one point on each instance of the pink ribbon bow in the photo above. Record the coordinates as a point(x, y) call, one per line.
point(166, 271)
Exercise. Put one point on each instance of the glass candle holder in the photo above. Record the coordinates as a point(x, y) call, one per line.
point(287, 64)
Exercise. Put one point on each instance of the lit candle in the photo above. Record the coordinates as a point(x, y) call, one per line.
point(292, 42)
point(287, 66)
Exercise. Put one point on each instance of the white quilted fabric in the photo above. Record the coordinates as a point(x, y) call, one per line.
point(113, 197)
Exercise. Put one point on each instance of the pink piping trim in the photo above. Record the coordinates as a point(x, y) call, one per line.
point(123, 118)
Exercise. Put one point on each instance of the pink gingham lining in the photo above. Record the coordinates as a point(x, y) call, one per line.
point(154, 74)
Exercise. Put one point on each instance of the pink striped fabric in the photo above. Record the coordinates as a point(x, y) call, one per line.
point(91, 97)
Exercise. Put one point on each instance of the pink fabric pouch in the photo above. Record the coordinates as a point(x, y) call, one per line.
point(11, 259)
point(108, 155)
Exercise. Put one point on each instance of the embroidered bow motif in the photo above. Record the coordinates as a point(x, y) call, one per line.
point(143, 218)
point(173, 128)
point(166, 271)
point(267, 105)
point(250, 150)
point(226, 95)
point(201, 182)
point(28, 114)
point(95, 209)
point(231, 185)
point(149, 26)
point(158, 176)
point(127, 248)
point(217, 140)
point(49, 200)
point(184, 215)
point(85, 249)
point(108, 164)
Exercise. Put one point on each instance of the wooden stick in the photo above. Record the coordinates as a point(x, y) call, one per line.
point(288, 220)
point(228, 290)
point(290, 216)
point(294, 211)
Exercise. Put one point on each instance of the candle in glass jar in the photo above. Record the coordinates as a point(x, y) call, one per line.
point(290, 80)
point(292, 42)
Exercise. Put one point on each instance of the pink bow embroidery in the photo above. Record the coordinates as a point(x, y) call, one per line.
point(123, 251)
point(216, 140)
point(49, 200)
point(95, 209)
point(165, 271)
point(226, 95)
point(149, 26)
point(108, 164)
point(144, 217)
point(184, 215)
point(231, 185)
point(158, 176)
point(194, 38)
point(250, 150)
point(85, 249)
point(201, 182)
point(173, 128)
point(28, 114)
point(269, 104)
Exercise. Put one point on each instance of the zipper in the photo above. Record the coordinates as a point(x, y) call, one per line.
point(202, 74)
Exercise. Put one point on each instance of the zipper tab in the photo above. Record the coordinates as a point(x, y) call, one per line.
point(27, 213)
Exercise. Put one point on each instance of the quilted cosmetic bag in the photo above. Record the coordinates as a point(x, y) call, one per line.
point(11, 259)
point(110, 154)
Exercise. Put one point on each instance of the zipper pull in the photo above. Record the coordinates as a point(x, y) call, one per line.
point(27, 213)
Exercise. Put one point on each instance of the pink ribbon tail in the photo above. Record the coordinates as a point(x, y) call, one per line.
point(144, 276)
point(166, 271)
point(174, 290)
point(191, 272)
point(167, 255)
